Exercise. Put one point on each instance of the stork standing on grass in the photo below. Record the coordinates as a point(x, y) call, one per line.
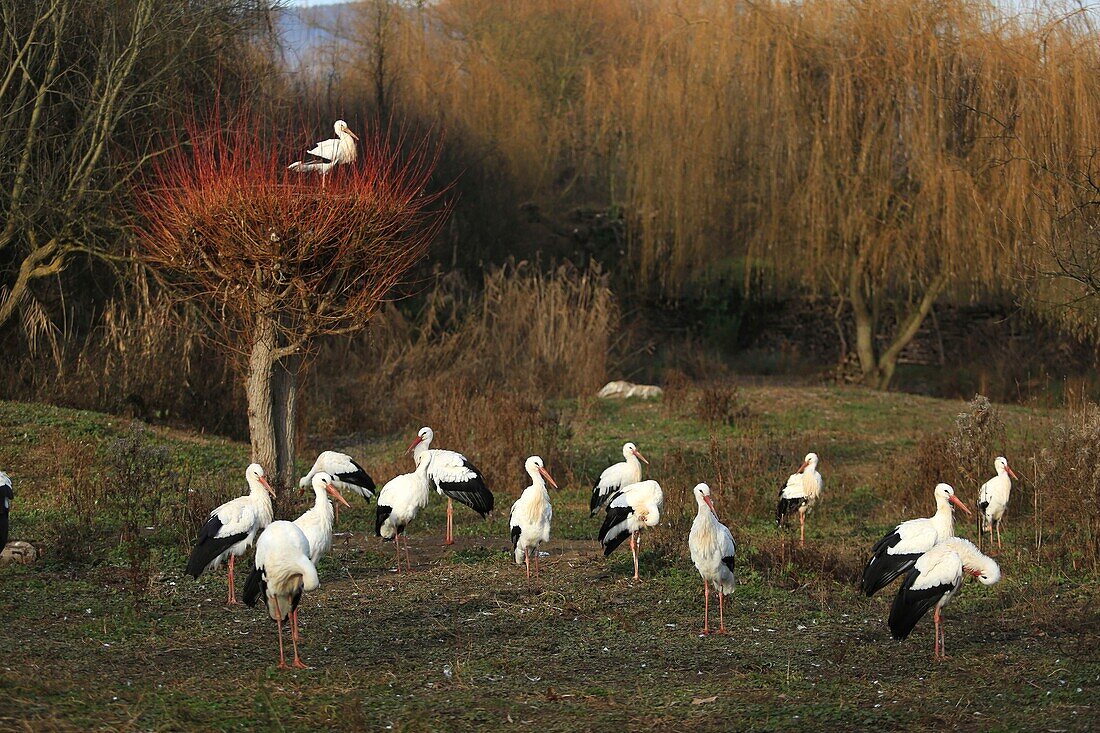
point(617, 476)
point(400, 500)
point(993, 499)
point(327, 154)
point(629, 511)
point(231, 527)
point(898, 551)
point(283, 572)
point(316, 522)
point(529, 520)
point(712, 550)
point(347, 476)
point(801, 492)
point(455, 477)
point(7, 496)
point(934, 581)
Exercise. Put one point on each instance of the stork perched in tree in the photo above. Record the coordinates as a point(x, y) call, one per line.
point(400, 500)
point(613, 478)
point(712, 550)
point(316, 522)
point(347, 476)
point(801, 492)
point(7, 496)
point(283, 571)
point(897, 551)
point(629, 510)
point(455, 477)
point(327, 154)
point(232, 527)
point(529, 521)
point(993, 499)
point(934, 581)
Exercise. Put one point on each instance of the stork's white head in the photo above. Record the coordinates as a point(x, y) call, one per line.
point(945, 494)
point(629, 449)
point(323, 484)
point(702, 496)
point(424, 436)
point(254, 474)
point(987, 571)
point(341, 127)
point(809, 462)
point(535, 469)
point(1001, 464)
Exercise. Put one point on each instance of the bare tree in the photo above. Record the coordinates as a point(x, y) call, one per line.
point(81, 84)
point(280, 260)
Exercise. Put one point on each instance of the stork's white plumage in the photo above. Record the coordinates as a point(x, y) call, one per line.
point(993, 499)
point(613, 478)
point(283, 571)
point(455, 477)
point(347, 475)
point(327, 154)
point(529, 520)
point(630, 510)
point(7, 496)
point(897, 551)
point(800, 493)
point(934, 580)
point(316, 522)
point(230, 529)
point(400, 500)
point(712, 550)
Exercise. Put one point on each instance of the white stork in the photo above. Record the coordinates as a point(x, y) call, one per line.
point(327, 154)
point(712, 550)
point(529, 520)
point(934, 580)
point(400, 500)
point(613, 478)
point(231, 527)
point(629, 510)
point(993, 499)
point(316, 522)
point(455, 477)
point(7, 496)
point(800, 493)
point(347, 476)
point(896, 552)
point(283, 571)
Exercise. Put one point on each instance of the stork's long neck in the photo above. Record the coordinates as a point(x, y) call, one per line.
point(321, 501)
point(538, 482)
point(944, 519)
point(420, 449)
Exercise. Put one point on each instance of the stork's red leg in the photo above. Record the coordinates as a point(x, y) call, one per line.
point(450, 522)
point(801, 529)
point(706, 609)
point(279, 627)
point(721, 612)
point(408, 562)
point(527, 562)
point(634, 543)
point(232, 590)
point(936, 618)
point(294, 641)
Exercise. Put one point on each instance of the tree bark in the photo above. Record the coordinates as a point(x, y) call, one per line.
point(261, 422)
point(284, 411)
point(865, 324)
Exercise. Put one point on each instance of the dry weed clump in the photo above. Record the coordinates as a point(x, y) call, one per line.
point(1066, 495)
point(720, 404)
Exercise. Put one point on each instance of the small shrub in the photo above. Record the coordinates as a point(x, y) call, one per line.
point(720, 404)
point(1067, 488)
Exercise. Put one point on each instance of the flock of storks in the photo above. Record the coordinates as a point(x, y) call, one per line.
point(925, 551)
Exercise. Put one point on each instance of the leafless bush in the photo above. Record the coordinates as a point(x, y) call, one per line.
point(978, 438)
point(720, 404)
point(1066, 499)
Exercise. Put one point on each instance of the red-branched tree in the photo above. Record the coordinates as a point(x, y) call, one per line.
point(280, 259)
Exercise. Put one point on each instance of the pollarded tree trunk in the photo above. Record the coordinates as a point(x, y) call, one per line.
point(284, 410)
point(272, 387)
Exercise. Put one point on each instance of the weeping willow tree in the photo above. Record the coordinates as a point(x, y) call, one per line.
point(878, 152)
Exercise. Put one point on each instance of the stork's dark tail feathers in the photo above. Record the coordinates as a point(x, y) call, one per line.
point(254, 587)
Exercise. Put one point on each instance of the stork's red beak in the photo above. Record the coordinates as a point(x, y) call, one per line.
point(546, 476)
point(413, 444)
point(975, 573)
point(267, 486)
point(353, 134)
point(709, 503)
point(336, 495)
point(640, 456)
point(955, 500)
point(803, 466)
point(1011, 472)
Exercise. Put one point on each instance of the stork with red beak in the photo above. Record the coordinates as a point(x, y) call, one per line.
point(327, 154)
point(712, 550)
point(616, 477)
point(993, 500)
point(453, 476)
point(801, 492)
point(529, 522)
point(231, 528)
point(895, 553)
point(316, 522)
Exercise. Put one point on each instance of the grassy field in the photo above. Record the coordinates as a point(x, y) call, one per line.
point(467, 643)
